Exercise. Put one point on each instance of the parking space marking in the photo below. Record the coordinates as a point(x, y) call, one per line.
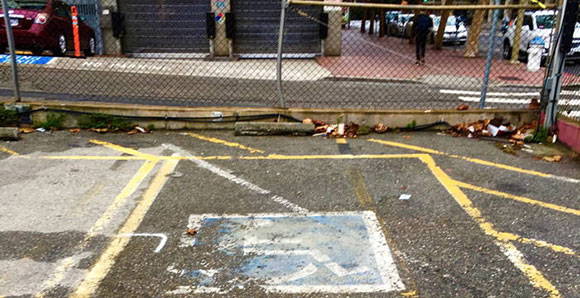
point(475, 160)
point(536, 277)
point(64, 265)
point(290, 253)
point(107, 259)
point(225, 143)
point(519, 198)
point(124, 149)
point(6, 150)
point(240, 181)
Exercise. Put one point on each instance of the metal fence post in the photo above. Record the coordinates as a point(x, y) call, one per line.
point(489, 59)
point(554, 82)
point(284, 5)
point(11, 46)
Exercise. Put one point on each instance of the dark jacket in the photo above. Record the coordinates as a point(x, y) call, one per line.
point(422, 24)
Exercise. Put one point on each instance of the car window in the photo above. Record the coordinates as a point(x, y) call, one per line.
point(528, 22)
point(545, 21)
point(27, 4)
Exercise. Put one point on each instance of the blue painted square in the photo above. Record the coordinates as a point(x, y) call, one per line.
point(41, 60)
point(323, 252)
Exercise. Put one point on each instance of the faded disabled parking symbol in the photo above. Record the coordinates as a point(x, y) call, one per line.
point(339, 252)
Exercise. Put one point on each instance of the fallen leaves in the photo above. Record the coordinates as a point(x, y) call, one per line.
point(554, 158)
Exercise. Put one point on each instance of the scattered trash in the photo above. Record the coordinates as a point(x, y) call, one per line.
point(74, 130)
point(307, 121)
point(99, 130)
point(27, 130)
point(555, 158)
point(527, 150)
point(40, 129)
point(175, 174)
point(191, 232)
point(380, 128)
point(350, 130)
point(404, 197)
point(462, 107)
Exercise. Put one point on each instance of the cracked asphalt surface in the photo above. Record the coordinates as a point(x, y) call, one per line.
point(85, 217)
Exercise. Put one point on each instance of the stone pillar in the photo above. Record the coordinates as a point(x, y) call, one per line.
point(221, 46)
point(111, 44)
point(332, 45)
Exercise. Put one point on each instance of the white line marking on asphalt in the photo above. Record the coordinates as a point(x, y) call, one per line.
point(161, 242)
point(305, 272)
point(467, 92)
point(518, 101)
point(226, 174)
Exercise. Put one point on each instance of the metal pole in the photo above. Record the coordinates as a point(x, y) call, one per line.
point(11, 46)
point(279, 57)
point(489, 59)
point(555, 79)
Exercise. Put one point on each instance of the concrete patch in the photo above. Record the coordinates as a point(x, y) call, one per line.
point(334, 252)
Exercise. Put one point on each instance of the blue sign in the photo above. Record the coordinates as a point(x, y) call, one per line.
point(342, 252)
point(27, 59)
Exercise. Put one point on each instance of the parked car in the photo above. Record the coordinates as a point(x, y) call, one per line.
point(398, 28)
point(391, 18)
point(40, 25)
point(538, 24)
point(455, 30)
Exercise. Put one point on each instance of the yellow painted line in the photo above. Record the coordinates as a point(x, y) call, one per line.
point(94, 157)
point(360, 189)
point(409, 294)
point(6, 150)
point(473, 160)
point(341, 141)
point(123, 149)
point(225, 143)
point(518, 198)
point(92, 280)
point(539, 243)
point(535, 277)
point(337, 156)
point(133, 184)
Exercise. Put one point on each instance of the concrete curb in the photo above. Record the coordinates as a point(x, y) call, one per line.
point(164, 117)
point(272, 128)
point(9, 133)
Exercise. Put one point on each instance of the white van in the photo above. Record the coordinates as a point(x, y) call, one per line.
point(538, 24)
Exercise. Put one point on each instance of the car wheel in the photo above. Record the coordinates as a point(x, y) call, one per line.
point(92, 49)
point(507, 50)
point(61, 48)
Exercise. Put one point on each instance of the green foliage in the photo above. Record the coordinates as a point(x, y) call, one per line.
point(411, 125)
point(104, 121)
point(53, 121)
point(541, 135)
point(8, 117)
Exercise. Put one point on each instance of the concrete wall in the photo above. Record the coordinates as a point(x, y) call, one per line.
point(111, 45)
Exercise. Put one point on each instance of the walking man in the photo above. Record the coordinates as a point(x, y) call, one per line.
point(421, 27)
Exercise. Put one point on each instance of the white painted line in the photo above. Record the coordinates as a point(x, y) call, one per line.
point(240, 181)
point(468, 92)
point(161, 242)
point(495, 100)
point(305, 272)
point(383, 256)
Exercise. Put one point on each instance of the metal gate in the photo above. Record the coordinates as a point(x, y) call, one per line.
point(257, 23)
point(165, 26)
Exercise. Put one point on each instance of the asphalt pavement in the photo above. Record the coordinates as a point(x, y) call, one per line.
point(211, 214)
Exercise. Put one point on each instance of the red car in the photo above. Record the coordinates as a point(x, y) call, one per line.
point(40, 25)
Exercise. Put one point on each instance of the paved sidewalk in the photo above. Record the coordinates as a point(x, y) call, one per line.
point(367, 56)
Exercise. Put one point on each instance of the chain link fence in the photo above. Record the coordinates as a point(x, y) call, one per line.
point(224, 53)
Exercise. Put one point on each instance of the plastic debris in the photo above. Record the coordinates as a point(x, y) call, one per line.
point(404, 197)
point(40, 129)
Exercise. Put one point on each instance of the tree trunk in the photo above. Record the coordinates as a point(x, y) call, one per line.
point(472, 47)
point(441, 30)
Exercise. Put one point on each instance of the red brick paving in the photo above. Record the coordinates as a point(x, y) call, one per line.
point(365, 56)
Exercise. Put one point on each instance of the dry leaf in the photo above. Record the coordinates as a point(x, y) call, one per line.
point(74, 130)
point(27, 130)
point(555, 158)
